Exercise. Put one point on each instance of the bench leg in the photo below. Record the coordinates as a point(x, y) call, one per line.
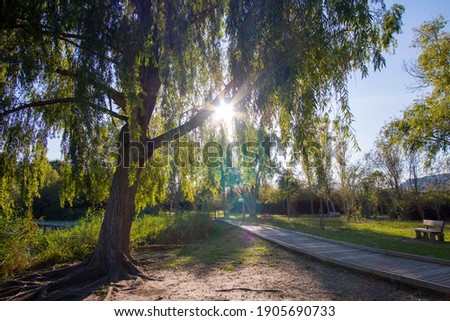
point(432, 237)
point(418, 236)
point(441, 238)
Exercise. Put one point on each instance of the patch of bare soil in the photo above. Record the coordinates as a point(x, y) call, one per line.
point(290, 276)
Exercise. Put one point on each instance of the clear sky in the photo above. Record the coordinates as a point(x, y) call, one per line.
point(383, 95)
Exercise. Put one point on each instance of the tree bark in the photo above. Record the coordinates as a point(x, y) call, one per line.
point(112, 254)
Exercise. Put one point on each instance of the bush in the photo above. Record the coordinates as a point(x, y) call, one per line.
point(25, 247)
point(17, 235)
point(171, 229)
point(70, 245)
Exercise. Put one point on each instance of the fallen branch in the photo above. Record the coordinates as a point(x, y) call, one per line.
point(248, 290)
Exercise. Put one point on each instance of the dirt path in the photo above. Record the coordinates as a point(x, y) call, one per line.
point(261, 271)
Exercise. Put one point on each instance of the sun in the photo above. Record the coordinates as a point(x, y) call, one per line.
point(224, 113)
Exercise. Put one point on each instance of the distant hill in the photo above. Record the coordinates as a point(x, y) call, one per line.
point(440, 182)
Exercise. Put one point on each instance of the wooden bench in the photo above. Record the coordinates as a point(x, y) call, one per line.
point(429, 233)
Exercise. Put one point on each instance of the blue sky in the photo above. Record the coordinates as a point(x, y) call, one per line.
point(383, 95)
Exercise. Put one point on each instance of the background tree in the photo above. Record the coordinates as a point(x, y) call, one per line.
point(323, 162)
point(425, 125)
point(374, 196)
point(355, 191)
point(414, 185)
point(389, 158)
point(257, 164)
point(288, 185)
point(144, 63)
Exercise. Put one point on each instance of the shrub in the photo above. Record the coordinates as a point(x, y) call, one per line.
point(25, 247)
point(171, 229)
point(16, 237)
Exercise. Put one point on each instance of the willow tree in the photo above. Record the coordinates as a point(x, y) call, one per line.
point(425, 125)
point(74, 67)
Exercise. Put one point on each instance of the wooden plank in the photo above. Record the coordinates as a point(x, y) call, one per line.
point(326, 251)
point(353, 258)
point(433, 223)
point(416, 272)
point(440, 276)
point(300, 242)
point(319, 245)
point(432, 272)
point(427, 278)
point(444, 282)
point(377, 260)
point(408, 265)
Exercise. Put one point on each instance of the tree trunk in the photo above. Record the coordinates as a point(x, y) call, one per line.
point(321, 219)
point(225, 202)
point(112, 255)
point(332, 205)
point(252, 202)
point(288, 201)
point(327, 203)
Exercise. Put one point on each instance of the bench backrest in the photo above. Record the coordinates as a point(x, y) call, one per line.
point(433, 223)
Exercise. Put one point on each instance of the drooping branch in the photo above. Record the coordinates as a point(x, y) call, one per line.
point(90, 50)
point(50, 102)
point(202, 15)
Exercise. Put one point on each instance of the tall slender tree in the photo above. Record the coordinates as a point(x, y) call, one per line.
point(74, 67)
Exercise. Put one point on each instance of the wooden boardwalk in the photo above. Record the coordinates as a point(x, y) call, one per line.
point(414, 270)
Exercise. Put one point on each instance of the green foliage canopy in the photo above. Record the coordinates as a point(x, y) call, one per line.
point(84, 69)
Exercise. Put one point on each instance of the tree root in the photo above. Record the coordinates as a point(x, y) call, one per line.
point(71, 282)
point(109, 293)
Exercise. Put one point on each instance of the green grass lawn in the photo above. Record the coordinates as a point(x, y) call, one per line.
point(385, 234)
point(225, 248)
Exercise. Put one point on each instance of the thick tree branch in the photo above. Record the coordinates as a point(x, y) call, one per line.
point(116, 96)
point(46, 103)
point(197, 120)
point(37, 104)
point(110, 112)
point(45, 29)
point(183, 129)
